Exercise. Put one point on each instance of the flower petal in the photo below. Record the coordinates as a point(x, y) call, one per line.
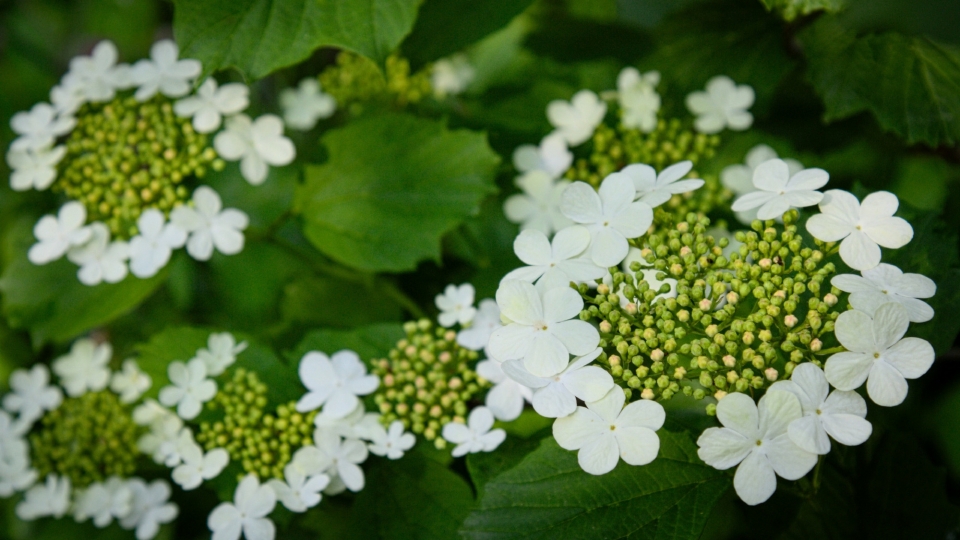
point(520, 302)
point(554, 401)
point(574, 431)
point(722, 448)
point(848, 370)
point(533, 248)
point(911, 356)
point(643, 413)
point(738, 412)
point(600, 455)
point(885, 385)
point(755, 480)
point(789, 460)
point(547, 355)
point(809, 435)
point(579, 337)
point(638, 445)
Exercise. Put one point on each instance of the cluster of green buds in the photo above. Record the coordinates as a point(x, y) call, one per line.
point(263, 443)
point(732, 323)
point(355, 80)
point(125, 156)
point(427, 381)
point(86, 439)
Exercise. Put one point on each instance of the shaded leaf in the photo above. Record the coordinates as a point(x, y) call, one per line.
point(374, 341)
point(791, 9)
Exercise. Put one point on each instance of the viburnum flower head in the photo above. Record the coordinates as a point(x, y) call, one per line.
point(190, 388)
point(38, 128)
point(656, 189)
point(247, 514)
point(391, 442)
point(51, 498)
point(342, 458)
point(576, 119)
point(474, 436)
point(723, 105)
point(605, 431)
point(86, 368)
point(552, 156)
point(544, 329)
point(306, 104)
point(638, 100)
point(538, 207)
point(94, 78)
point(34, 168)
point(887, 283)
point(877, 354)
point(130, 382)
point(31, 394)
point(611, 216)
point(561, 256)
point(487, 320)
point(456, 305)
point(256, 144)
point(55, 235)
point(778, 191)
point(210, 225)
point(211, 103)
point(556, 396)
point(221, 352)
point(505, 400)
point(149, 508)
point(164, 72)
point(103, 501)
point(151, 249)
point(334, 382)
point(754, 436)
point(197, 465)
point(862, 227)
point(100, 260)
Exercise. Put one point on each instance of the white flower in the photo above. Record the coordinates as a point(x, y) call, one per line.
point(544, 328)
point(34, 168)
point(554, 397)
point(863, 227)
point(15, 471)
point(611, 216)
point(96, 77)
point(561, 257)
point(103, 502)
point(67, 98)
point(299, 492)
point(197, 465)
point(605, 431)
point(99, 259)
point(538, 207)
point(877, 354)
point(31, 393)
point(476, 435)
point(505, 399)
point(552, 156)
point(85, 368)
point(575, 120)
point(476, 336)
point(221, 352)
point(456, 305)
point(778, 191)
point(342, 457)
point(841, 414)
point(149, 509)
point(55, 235)
point(131, 382)
point(151, 249)
point(887, 283)
point(210, 104)
point(256, 144)
point(49, 499)
point(334, 382)
point(163, 72)
point(358, 424)
point(724, 104)
point(392, 442)
point(252, 503)
point(305, 105)
point(738, 178)
point(161, 442)
point(190, 389)
point(656, 189)
point(757, 440)
point(638, 99)
point(451, 76)
point(38, 128)
point(209, 225)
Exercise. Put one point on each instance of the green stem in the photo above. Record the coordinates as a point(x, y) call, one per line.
point(816, 475)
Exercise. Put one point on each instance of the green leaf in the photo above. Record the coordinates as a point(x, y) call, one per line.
point(302, 296)
point(394, 184)
point(911, 84)
point(486, 465)
point(374, 341)
point(547, 495)
point(258, 37)
point(791, 9)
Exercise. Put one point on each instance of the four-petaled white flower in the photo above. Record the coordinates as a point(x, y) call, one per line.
point(31, 394)
point(15, 471)
point(164, 72)
point(841, 414)
point(544, 329)
point(456, 305)
point(85, 368)
point(887, 283)
point(197, 465)
point(877, 354)
point(538, 207)
point(485, 323)
point(756, 438)
point(358, 424)
point(638, 100)
point(55, 235)
point(100, 259)
point(476, 435)
point(611, 215)
point(38, 128)
point(298, 491)
point(256, 144)
point(130, 382)
point(552, 156)
point(247, 514)
point(334, 382)
point(738, 178)
point(605, 431)
point(451, 76)
point(778, 191)
point(391, 442)
point(723, 105)
point(190, 388)
point(161, 442)
point(576, 119)
point(34, 168)
point(505, 399)
point(211, 103)
point(863, 227)
point(342, 458)
point(151, 249)
point(104, 501)
point(96, 77)
point(149, 509)
point(656, 189)
point(210, 225)
point(305, 105)
point(561, 257)
point(51, 498)
point(67, 98)
point(554, 397)
point(221, 352)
